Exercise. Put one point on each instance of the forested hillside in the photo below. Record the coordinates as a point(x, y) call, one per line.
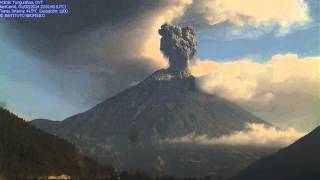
point(26, 151)
point(299, 161)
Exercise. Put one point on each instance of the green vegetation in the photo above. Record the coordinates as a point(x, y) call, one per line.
point(29, 152)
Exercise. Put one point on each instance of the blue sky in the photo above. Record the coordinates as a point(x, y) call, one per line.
point(303, 41)
point(23, 86)
point(26, 90)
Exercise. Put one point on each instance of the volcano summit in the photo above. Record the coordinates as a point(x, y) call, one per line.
point(129, 127)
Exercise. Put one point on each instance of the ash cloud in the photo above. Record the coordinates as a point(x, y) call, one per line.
point(87, 48)
point(88, 56)
point(178, 44)
point(52, 34)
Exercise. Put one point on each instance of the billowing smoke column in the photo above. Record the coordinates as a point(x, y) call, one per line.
point(179, 45)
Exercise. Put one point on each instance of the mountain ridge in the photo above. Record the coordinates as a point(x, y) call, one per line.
point(300, 160)
point(29, 152)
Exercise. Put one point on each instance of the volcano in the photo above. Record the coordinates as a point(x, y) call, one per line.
point(167, 104)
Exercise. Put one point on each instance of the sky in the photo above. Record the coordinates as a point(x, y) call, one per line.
point(263, 44)
point(262, 55)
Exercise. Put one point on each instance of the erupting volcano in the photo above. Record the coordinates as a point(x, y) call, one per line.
point(129, 127)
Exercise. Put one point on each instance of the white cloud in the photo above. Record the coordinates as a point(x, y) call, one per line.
point(256, 134)
point(284, 13)
point(283, 89)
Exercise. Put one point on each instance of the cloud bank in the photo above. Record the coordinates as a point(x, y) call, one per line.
point(252, 12)
point(249, 18)
point(283, 89)
point(256, 134)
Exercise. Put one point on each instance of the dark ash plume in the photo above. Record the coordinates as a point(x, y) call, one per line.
point(179, 45)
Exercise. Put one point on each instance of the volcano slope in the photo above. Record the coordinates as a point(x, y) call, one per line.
point(129, 127)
